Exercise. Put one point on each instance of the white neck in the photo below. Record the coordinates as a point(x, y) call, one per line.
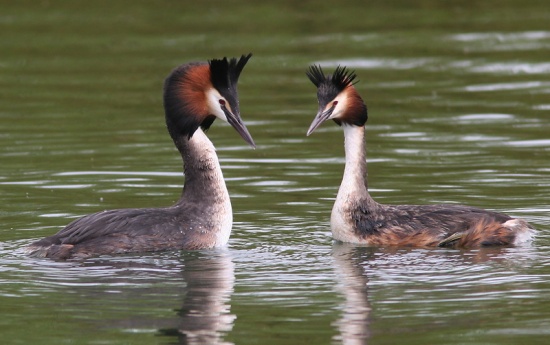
point(204, 183)
point(353, 189)
point(355, 172)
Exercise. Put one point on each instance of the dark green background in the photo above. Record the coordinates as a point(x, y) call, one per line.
point(458, 97)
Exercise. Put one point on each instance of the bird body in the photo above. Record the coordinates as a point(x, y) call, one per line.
point(194, 95)
point(357, 218)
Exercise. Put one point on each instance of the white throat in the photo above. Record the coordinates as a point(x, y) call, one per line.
point(353, 187)
point(205, 185)
point(356, 166)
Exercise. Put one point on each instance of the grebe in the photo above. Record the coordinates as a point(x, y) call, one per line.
point(357, 218)
point(195, 94)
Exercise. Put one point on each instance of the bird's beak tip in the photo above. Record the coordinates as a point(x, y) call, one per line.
point(236, 122)
point(312, 129)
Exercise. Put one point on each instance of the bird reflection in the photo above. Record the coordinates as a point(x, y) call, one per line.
point(353, 325)
point(205, 316)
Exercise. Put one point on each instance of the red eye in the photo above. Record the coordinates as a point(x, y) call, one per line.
point(222, 102)
point(335, 103)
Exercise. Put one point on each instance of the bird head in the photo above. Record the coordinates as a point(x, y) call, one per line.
point(337, 97)
point(195, 94)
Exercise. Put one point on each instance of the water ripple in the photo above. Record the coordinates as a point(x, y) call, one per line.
point(507, 86)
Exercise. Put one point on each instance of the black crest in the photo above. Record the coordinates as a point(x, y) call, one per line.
point(341, 78)
point(329, 86)
point(225, 73)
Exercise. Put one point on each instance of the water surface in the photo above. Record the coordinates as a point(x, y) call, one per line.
point(458, 113)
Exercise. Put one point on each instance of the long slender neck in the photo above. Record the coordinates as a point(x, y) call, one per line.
point(204, 182)
point(354, 183)
point(353, 198)
point(355, 172)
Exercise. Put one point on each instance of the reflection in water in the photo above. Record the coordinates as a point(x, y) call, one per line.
point(459, 114)
point(352, 282)
point(205, 314)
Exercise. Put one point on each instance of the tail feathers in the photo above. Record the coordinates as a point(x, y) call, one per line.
point(489, 232)
point(523, 230)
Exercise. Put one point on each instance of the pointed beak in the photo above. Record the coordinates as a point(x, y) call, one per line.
point(320, 118)
point(237, 123)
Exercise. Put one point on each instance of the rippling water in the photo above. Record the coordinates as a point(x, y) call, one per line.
point(458, 113)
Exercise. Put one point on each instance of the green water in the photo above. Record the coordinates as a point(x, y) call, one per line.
point(459, 110)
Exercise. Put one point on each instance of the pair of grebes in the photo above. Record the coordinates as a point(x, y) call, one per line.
point(197, 93)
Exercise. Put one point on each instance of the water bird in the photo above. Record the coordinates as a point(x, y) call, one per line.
point(357, 218)
point(195, 94)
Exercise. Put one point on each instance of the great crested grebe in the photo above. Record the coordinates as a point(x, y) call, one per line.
point(357, 218)
point(195, 94)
